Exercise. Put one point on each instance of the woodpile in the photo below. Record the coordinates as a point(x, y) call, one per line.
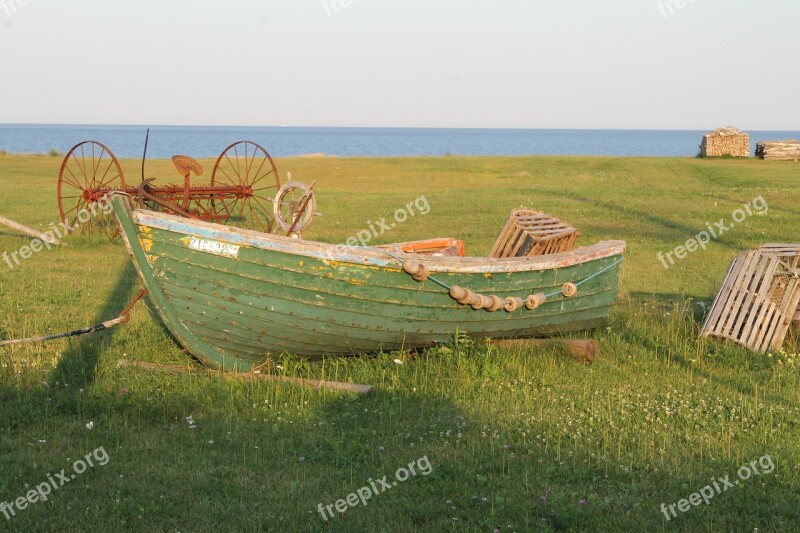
point(779, 150)
point(728, 141)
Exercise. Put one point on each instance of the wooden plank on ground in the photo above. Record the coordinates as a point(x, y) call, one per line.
point(16, 226)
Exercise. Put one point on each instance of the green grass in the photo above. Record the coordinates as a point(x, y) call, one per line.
point(518, 440)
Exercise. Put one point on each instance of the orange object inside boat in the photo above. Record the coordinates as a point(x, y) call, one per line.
point(449, 247)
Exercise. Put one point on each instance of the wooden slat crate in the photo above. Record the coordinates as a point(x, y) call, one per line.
point(528, 233)
point(756, 303)
point(791, 254)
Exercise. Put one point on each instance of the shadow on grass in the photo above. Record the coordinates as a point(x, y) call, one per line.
point(199, 447)
point(78, 362)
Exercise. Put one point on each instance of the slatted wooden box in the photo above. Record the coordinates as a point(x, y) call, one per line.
point(756, 303)
point(528, 233)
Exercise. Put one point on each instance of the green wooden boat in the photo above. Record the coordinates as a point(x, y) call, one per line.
point(231, 297)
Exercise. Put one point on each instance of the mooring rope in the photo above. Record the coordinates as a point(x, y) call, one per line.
point(123, 317)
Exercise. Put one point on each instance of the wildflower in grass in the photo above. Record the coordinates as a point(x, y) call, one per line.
point(122, 392)
point(89, 425)
point(582, 502)
point(398, 362)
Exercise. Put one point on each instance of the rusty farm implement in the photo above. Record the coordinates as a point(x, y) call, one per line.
point(244, 191)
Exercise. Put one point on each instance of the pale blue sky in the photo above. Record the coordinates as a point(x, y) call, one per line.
point(448, 63)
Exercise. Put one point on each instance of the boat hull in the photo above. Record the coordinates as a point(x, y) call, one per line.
point(232, 297)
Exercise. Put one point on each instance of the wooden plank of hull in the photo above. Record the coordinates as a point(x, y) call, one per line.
point(288, 332)
point(303, 315)
point(418, 301)
point(277, 313)
point(268, 290)
point(232, 312)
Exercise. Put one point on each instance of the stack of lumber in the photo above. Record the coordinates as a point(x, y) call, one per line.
point(728, 141)
point(530, 233)
point(779, 150)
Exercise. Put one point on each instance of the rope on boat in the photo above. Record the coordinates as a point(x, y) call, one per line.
point(421, 273)
point(603, 271)
point(123, 317)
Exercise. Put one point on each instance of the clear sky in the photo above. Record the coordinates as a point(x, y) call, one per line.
point(678, 64)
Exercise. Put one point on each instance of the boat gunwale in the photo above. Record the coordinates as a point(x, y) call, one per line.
point(368, 255)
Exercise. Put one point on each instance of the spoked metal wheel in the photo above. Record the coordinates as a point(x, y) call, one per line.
point(294, 207)
point(89, 172)
point(250, 173)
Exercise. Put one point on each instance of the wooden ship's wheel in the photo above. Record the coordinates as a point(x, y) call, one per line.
point(294, 207)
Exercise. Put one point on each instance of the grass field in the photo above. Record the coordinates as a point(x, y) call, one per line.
point(517, 440)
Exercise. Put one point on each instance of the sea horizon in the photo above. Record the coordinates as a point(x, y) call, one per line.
point(127, 140)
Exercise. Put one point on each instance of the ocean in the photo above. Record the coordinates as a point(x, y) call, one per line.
point(209, 141)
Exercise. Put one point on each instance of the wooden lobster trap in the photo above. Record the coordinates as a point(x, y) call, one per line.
point(244, 191)
point(528, 233)
point(757, 301)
